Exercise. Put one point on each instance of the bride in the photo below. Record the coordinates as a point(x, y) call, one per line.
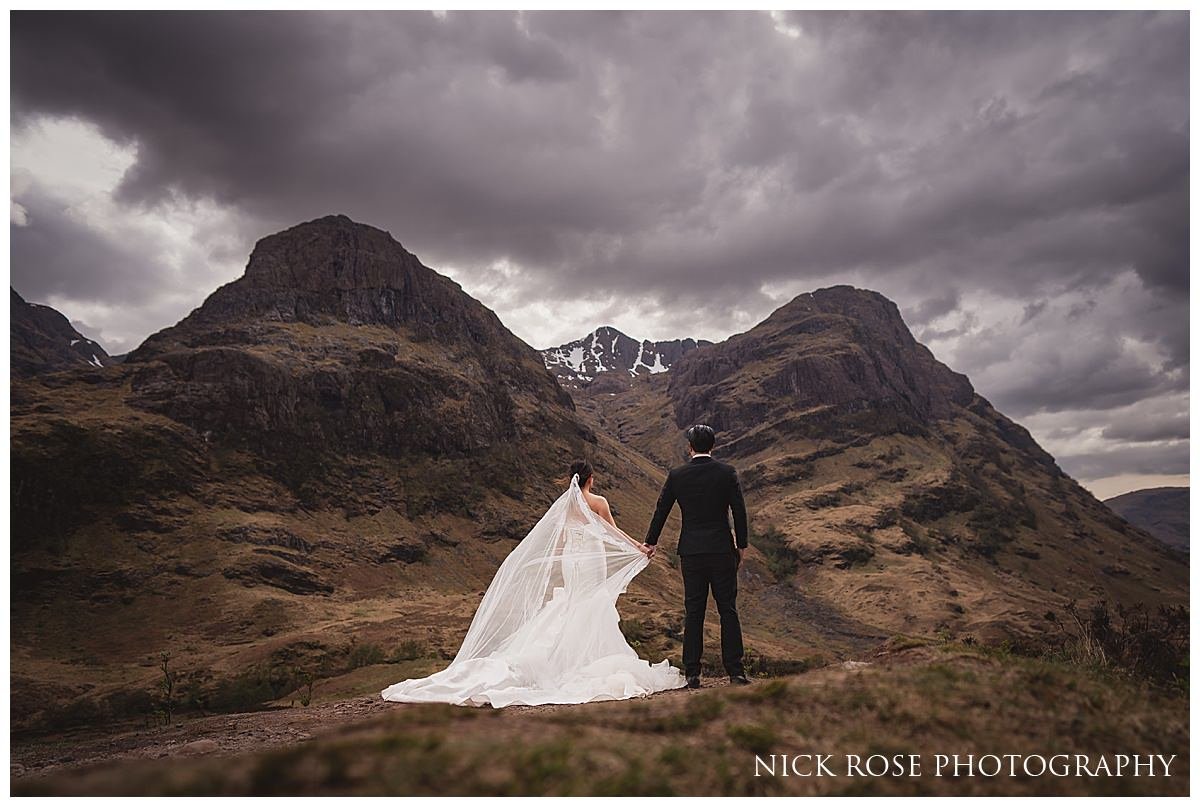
point(547, 628)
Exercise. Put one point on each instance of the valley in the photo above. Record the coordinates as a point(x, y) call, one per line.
point(301, 490)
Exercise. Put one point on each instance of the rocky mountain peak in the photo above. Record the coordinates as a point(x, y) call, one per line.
point(332, 253)
point(608, 350)
point(336, 270)
point(836, 352)
point(42, 340)
point(337, 342)
point(874, 316)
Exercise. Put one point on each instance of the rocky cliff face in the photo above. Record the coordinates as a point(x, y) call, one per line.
point(338, 369)
point(341, 436)
point(42, 340)
point(881, 486)
point(338, 341)
point(334, 270)
point(607, 350)
point(838, 355)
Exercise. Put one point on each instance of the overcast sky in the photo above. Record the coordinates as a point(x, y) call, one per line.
point(1017, 182)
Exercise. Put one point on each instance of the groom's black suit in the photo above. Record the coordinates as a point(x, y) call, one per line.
point(707, 490)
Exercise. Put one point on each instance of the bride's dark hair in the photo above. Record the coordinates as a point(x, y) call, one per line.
point(583, 468)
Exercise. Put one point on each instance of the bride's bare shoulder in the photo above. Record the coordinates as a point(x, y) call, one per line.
point(596, 502)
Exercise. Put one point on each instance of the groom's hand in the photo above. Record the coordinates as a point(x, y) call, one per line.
point(739, 553)
point(649, 549)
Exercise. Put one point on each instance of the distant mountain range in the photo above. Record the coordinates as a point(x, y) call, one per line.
point(1162, 512)
point(607, 350)
point(43, 340)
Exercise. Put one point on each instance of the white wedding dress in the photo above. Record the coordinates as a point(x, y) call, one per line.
point(547, 628)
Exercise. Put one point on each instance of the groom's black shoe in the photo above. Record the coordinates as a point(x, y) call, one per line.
point(693, 682)
point(740, 680)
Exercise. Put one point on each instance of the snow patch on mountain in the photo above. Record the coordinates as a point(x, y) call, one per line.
point(608, 350)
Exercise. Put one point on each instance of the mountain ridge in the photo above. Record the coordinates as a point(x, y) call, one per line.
point(879, 475)
point(1161, 511)
point(340, 445)
point(42, 339)
point(608, 350)
point(333, 269)
point(340, 437)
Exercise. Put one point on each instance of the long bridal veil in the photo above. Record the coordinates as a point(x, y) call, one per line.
point(547, 628)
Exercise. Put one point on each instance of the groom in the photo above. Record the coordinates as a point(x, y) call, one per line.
point(707, 490)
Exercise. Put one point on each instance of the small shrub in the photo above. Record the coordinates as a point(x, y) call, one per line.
point(674, 759)
point(755, 738)
point(634, 631)
point(695, 713)
point(251, 689)
point(539, 768)
point(364, 655)
point(80, 712)
point(1150, 645)
point(672, 558)
point(782, 560)
point(408, 650)
point(773, 690)
point(918, 541)
point(822, 500)
point(994, 529)
point(760, 666)
point(305, 681)
point(166, 687)
point(855, 555)
point(905, 642)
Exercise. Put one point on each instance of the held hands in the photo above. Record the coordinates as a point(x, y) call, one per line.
point(649, 549)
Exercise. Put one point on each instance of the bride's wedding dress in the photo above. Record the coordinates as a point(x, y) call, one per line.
point(547, 628)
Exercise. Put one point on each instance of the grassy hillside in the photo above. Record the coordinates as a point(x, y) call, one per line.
point(914, 697)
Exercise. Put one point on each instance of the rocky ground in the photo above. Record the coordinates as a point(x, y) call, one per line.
point(191, 736)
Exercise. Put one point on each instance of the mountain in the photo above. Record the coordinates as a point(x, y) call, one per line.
point(320, 468)
point(337, 351)
point(339, 437)
point(338, 340)
point(883, 489)
point(42, 340)
point(607, 350)
point(1162, 512)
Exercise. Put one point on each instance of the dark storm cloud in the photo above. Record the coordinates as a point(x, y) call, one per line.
point(933, 307)
point(1177, 427)
point(1135, 459)
point(697, 164)
point(1032, 310)
point(62, 256)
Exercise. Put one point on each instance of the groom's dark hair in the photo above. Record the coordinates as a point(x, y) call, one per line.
point(701, 438)
point(583, 468)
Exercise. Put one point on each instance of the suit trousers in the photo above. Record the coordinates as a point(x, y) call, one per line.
point(716, 570)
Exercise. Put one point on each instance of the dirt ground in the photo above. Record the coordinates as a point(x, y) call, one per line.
point(219, 735)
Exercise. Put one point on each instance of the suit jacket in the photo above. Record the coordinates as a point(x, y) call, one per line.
point(707, 490)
